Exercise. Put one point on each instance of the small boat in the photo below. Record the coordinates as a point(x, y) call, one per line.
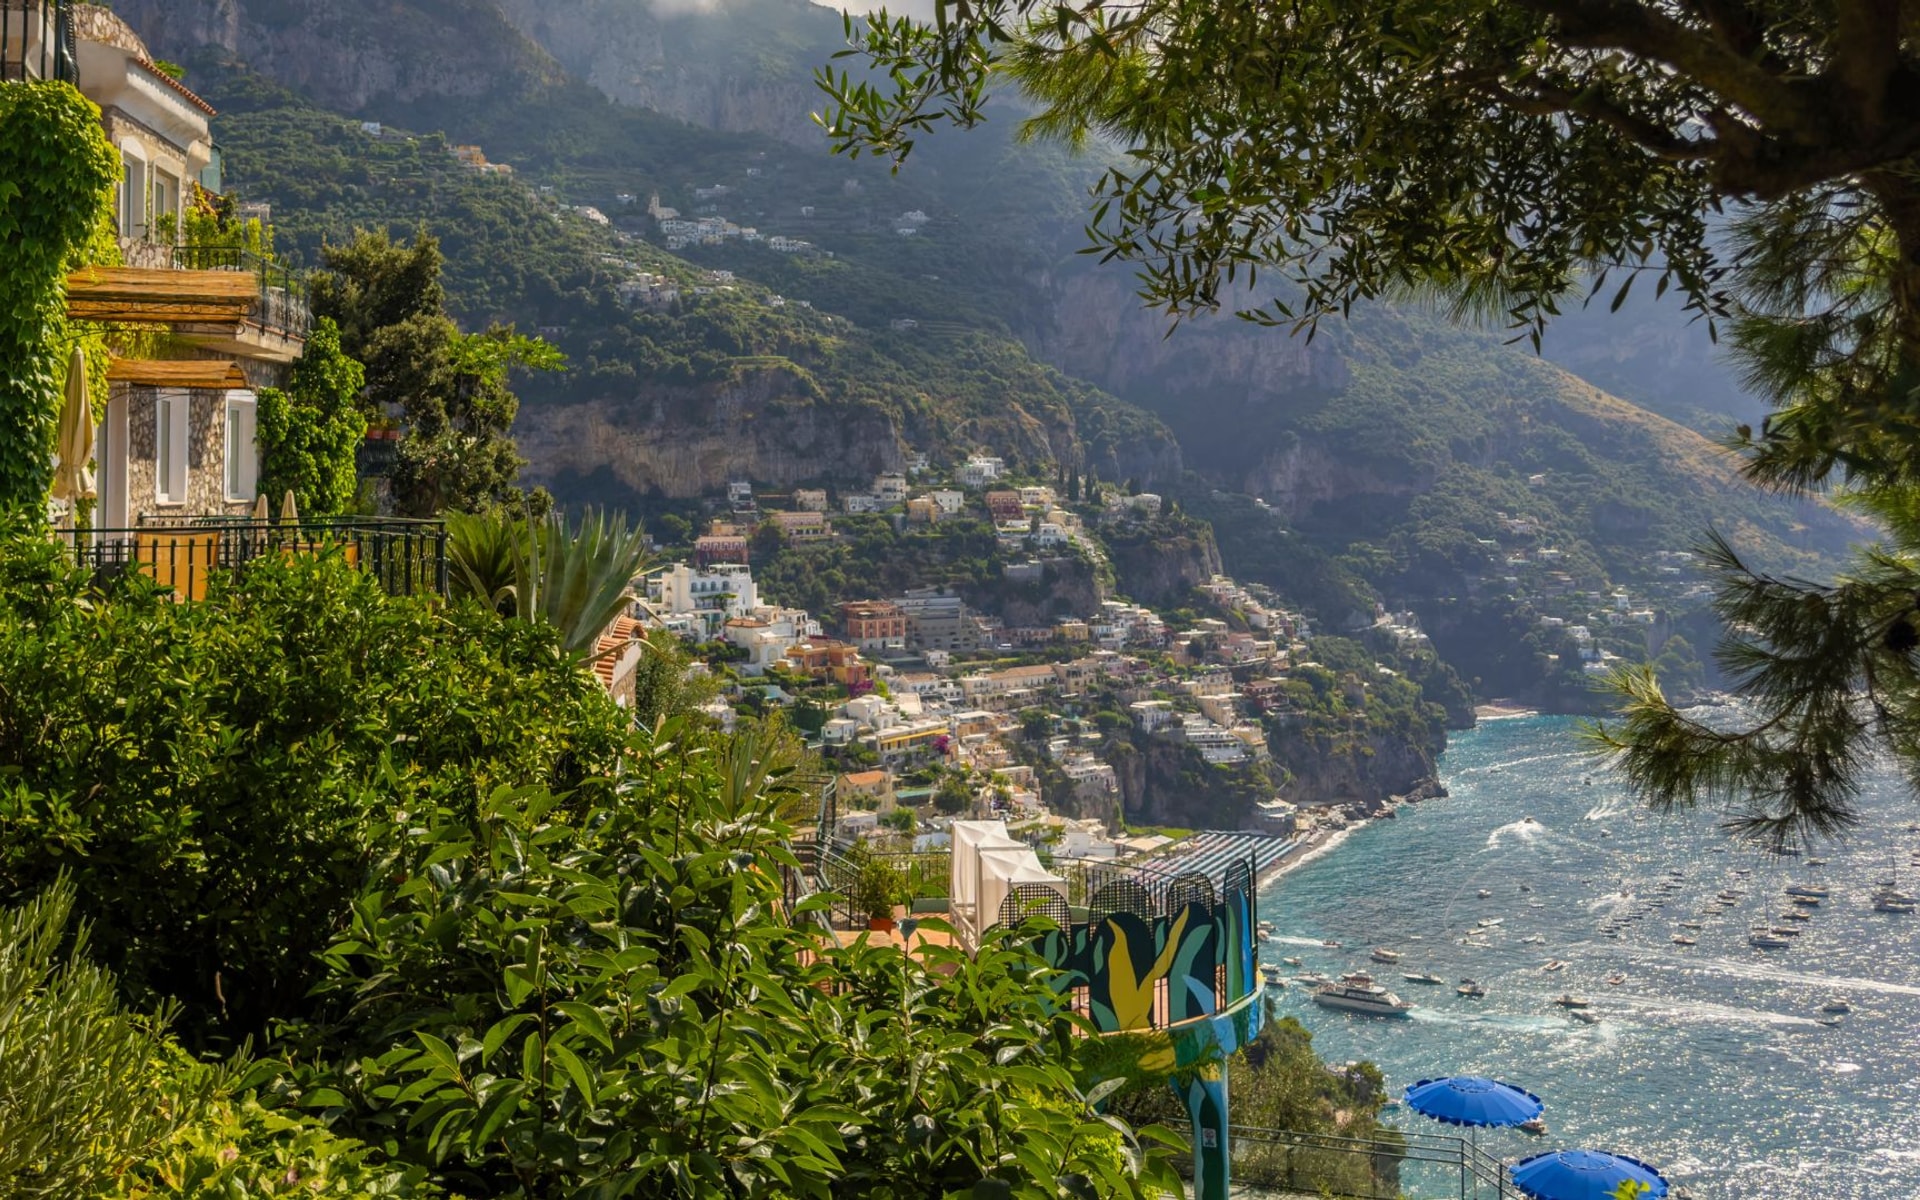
point(1796, 915)
point(1765, 939)
point(1585, 1018)
point(1358, 978)
point(1470, 990)
point(1606, 833)
point(1417, 977)
point(1534, 939)
point(1616, 979)
point(1310, 978)
point(1816, 862)
point(1569, 1000)
point(1805, 901)
point(1690, 925)
point(1383, 955)
point(1331, 944)
point(1290, 962)
point(1786, 931)
point(1263, 935)
point(1536, 1127)
point(1681, 939)
point(1368, 998)
point(1484, 894)
point(1266, 925)
point(1272, 975)
point(1893, 906)
point(1836, 1005)
point(1743, 871)
point(1554, 965)
point(1526, 887)
point(1490, 922)
point(1829, 1022)
point(1805, 889)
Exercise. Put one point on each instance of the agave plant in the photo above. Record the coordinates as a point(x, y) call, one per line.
point(483, 550)
point(578, 580)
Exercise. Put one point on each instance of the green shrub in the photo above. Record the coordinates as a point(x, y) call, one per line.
point(544, 1003)
point(211, 773)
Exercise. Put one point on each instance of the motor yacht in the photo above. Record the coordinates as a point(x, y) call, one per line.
point(1807, 889)
point(1383, 955)
point(1290, 962)
point(1331, 944)
point(1763, 938)
point(1836, 1005)
point(1272, 975)
point(1796, 915)
point(1421, 977)
point(1470, 989)
point(1569, 1000)
point(1370, 999)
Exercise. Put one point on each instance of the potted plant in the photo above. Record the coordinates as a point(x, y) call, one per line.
point(875, 891)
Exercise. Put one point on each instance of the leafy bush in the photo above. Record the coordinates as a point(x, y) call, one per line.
point(212, 774)
point(310, 432)
point(610, 1002)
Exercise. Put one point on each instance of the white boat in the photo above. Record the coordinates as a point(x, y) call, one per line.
point(1369, 999)
point(1816, 862)
point(1681, 939)
point(1690, 925)
point(1534, 939)
point(1418, 977)
point(1796, 915)
point(1383, 955)
point(1554, 964)
point(1272, 975)
point(1490, 922)
point(1785, 931)
point(1470, 989)
point(1889, 892)
point(1836, 1005)
point(1616, 979)
point(1331, 944)
point(1807, 889)
point(1569, 1000)
point(1483, 893)
point(1264, 935)
point(1264, 925)
point(1763, 938)
point(1893, 906)
point(1290, 962)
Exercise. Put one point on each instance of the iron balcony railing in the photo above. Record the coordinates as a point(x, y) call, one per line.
point(407, 557)
point(37, 41)
point(280, 308)
point(1397, 1166)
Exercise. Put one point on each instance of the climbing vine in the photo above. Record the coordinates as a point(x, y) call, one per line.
point(57, 172)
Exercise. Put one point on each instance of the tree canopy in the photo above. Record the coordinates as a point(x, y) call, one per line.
point(1758, 158)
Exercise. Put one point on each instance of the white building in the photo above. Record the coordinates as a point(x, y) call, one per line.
point(982, 469)
point(714, 595)
point(890, 489)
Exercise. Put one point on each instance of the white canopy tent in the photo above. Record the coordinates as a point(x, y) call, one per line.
point(987, 866)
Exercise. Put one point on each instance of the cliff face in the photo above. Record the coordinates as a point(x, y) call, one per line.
point(347, 53)
point(1155, 567)
point(1367, 769)
point(677, 60)
point(685, 442)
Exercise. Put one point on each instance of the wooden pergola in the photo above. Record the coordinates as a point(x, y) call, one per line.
point(212, 374)
point(214, 309)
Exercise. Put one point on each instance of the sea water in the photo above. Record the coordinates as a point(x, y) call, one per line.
point(1709, 1061)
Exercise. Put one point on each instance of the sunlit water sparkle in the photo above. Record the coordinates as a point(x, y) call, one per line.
point(1710, 1061)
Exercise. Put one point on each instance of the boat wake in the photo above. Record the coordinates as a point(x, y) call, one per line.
point(1526, 831)
point(1829, 982)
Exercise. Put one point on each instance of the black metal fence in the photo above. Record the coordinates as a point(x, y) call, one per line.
point(407, 557)
point(281, 306)
point(37, 41)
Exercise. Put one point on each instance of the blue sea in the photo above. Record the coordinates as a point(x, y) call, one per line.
point(1709, 1061)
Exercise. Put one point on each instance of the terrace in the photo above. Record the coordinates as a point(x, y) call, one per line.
point(37, 41)
point(222, 299)
point(406, 557)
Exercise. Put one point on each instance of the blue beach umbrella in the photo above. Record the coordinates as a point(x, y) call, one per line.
point(1473, 1101)
point(1584, 1175)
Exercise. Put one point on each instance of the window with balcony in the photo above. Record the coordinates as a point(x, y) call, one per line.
point(170, 409)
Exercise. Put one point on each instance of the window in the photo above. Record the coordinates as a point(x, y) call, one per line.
point(170, 447)
point(166, 203)
point(242, 451)
point(133, 199)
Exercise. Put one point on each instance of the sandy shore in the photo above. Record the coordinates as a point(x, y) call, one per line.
point(1322, 844)
point(1502, 710)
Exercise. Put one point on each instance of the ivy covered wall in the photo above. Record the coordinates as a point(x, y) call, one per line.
point(57, 174)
